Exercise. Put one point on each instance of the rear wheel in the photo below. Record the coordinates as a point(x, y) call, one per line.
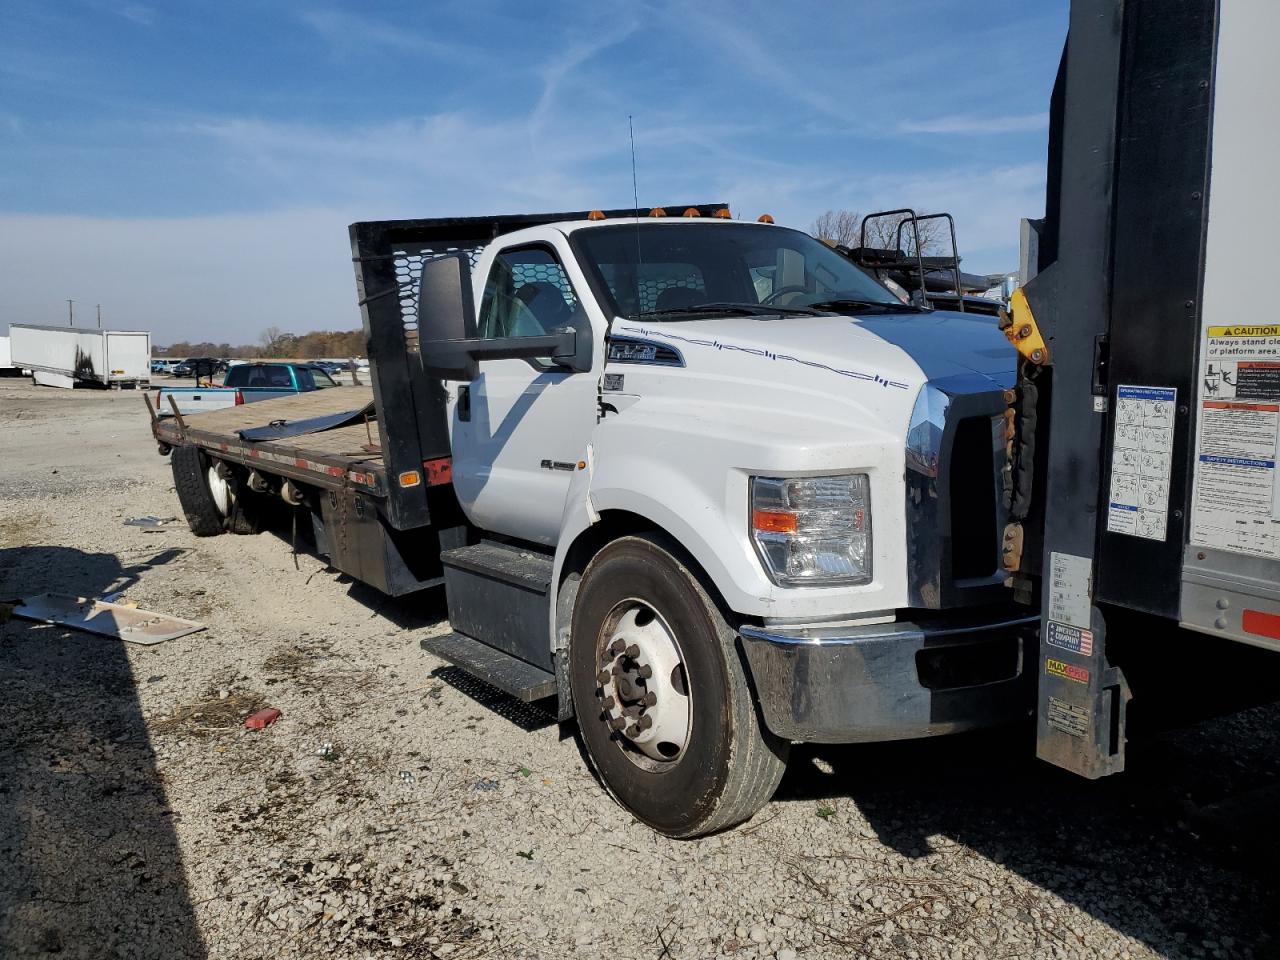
point(663, 704)
point(212, 498)
point(190, 480)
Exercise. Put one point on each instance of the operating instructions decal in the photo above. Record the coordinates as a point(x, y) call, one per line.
point(1237, 500)
point(1140, 454)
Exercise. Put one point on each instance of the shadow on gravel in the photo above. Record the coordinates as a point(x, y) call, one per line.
point(1180, 850)
point(89, 859)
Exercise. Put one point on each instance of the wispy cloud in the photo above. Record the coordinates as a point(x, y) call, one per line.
point(350, 33)
point(139, 13)
point(557, 71)
point(974, 124)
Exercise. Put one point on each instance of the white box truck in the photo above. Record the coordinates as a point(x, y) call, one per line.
point(65, 356)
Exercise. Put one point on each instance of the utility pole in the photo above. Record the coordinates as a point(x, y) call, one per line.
point(99, 316)
point(71, 317)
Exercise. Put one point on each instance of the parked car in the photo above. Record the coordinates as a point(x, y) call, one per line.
point(245, 383)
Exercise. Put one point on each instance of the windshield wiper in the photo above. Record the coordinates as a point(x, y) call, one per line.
point(845, 303)
point(732, 310)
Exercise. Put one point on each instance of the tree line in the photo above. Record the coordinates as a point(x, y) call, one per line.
point(274, 342)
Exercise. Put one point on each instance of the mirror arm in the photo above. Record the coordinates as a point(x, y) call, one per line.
point(457, 359)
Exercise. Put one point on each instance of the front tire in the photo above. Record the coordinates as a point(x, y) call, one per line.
point(663, 704)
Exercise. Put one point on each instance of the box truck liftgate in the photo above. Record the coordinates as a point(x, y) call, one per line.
point(1143, 430)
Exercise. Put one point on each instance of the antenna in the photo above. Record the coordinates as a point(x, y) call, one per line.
point(635, 194)
point(71, 316)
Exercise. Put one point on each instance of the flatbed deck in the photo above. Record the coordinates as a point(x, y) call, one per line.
point(339, 457)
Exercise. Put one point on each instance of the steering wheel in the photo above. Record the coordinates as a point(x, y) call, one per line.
point(790, 288)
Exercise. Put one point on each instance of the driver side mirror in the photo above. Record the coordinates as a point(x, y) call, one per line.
point(448, 346)
point(446, 313)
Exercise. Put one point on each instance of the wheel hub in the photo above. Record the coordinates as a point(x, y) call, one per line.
point(644, 696)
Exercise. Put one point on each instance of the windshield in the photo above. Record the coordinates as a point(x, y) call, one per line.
point(671, 268)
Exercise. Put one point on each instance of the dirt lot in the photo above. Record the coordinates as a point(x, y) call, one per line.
point(397, 810)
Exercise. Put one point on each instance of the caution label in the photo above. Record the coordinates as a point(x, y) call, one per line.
point(1236, 504)
point(1140, 454)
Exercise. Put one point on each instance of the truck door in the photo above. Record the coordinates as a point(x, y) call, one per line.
point(519, 429)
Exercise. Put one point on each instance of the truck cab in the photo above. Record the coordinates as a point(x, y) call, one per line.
point(730, 447)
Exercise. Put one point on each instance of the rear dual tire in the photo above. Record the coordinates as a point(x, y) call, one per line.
point(212, 496)
point(703, 761)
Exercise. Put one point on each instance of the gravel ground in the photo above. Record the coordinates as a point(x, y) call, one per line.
point(398, 810)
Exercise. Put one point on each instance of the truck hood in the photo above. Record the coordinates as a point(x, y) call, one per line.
point(956, 352)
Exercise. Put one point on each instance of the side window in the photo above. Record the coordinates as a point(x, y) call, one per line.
point(305, 380)
point(527, 294)
point(277, 376)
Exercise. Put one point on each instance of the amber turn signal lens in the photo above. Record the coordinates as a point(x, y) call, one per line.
point(410, 478)
point(773, 521)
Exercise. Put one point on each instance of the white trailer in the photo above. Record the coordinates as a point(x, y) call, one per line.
point(6, 359)
point(65, 356)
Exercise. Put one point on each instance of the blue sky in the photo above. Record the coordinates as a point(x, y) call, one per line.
point(192, 166)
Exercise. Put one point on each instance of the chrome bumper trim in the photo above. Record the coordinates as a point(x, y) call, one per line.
point(857, 684)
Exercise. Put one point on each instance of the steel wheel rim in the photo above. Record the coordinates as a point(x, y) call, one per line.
point(221, 491)
point(642, 686)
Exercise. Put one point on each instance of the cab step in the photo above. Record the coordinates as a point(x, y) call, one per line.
point(522, 680)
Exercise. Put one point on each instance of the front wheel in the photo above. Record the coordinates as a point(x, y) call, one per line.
point(662, 700)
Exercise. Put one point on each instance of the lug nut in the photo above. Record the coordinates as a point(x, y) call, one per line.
point(607, 703)
point(645, 722)
point(632, 651)
point(617, 723)
point(603, 677)
point(616, 648)
point(633, 731)
point(645, 671)
point(650, 699)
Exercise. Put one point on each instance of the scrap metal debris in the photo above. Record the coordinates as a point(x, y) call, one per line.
point(107, 619)
point(149, 522)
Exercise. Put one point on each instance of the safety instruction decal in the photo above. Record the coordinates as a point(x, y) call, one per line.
point(1141, 451)
point(1237, 495)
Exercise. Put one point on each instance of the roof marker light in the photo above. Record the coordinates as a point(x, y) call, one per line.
point(657, 212)
point(595, 215)
point(723, 214)
point(764, 218)
point(691, 212)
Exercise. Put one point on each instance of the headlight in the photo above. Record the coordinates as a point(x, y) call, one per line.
point(813, 530)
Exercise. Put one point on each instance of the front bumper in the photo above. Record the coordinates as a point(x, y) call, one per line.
point(891, 681)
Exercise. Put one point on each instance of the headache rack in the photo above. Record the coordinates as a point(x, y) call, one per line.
point(933, 281)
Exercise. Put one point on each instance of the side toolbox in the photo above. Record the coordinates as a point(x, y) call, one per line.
point(359, 542)
point(498, 596)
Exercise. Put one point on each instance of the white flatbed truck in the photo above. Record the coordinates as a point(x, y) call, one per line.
point(705, 486)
